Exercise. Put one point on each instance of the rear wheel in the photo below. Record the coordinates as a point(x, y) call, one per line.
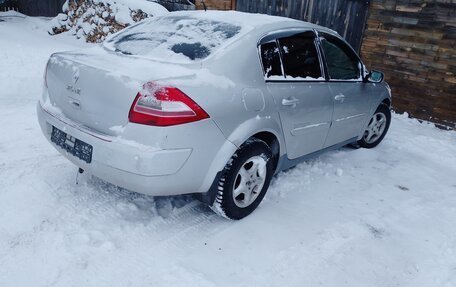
point(377, 128)
point(244, 180)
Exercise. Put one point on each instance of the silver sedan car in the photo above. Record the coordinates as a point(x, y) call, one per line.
point(210, 103)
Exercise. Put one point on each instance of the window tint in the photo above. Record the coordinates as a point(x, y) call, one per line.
point(271, 60)
point(300, 57)
point(342, 63)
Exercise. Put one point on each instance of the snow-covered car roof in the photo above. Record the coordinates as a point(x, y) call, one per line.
point(254, 20)
point(238, 18)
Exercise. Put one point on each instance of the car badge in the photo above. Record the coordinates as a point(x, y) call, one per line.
point(72, 88)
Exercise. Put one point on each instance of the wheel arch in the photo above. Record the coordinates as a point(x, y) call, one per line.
point(273, 142)
point(238, 137)
point(387, 102)
point(266, 129)
point(383, 99)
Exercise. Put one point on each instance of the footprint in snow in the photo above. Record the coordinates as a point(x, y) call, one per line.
point(401, 187)
point(376, 232)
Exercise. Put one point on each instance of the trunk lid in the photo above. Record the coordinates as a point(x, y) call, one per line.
point(96, 88)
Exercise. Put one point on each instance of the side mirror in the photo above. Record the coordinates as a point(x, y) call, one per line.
point(375, 77)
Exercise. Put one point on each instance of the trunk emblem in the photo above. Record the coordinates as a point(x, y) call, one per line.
point(72, 87)
point(75, 76)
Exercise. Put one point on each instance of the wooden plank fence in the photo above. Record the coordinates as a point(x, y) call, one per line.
point(48, 8)
point(176, 5)
point(53, 7)
point(9, 5)
point(347, 17)
point(33, 7)
point(216, 4)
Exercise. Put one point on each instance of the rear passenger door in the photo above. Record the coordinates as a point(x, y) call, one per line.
point(294, 76)
point(351, 100)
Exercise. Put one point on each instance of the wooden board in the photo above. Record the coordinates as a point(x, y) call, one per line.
point(414, 43)
point(347, 17)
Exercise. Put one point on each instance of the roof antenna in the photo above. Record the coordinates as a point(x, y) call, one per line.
point(204, 5)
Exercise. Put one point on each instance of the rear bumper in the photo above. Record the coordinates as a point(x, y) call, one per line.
point(145, 168)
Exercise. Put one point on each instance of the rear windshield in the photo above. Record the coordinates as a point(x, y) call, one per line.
point(180, 38)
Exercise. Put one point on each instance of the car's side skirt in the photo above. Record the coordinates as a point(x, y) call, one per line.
point(286, 163)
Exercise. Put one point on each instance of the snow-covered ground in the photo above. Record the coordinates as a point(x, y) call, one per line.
point(381, 217)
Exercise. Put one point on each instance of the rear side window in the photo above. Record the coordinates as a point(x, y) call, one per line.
point(183, 38)
point(342, 62)
point(270, 58)
point(300, 57)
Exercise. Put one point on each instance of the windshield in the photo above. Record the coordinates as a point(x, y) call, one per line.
point(180, 38)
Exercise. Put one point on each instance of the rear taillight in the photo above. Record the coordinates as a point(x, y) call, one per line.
point(158, 105)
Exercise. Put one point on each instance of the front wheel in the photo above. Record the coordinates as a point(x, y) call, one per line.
point(244, 180)
point(377, 128)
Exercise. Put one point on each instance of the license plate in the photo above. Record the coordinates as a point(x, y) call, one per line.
point(72, 145)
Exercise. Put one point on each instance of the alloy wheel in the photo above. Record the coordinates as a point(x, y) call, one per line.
point(375, 129)
point(249, 181)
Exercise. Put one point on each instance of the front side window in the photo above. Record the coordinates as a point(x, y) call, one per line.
point(300, 57)
point(341, 61)
point(272, 67)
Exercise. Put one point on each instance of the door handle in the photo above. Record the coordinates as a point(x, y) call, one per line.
point(339, 97)
point(291, 102)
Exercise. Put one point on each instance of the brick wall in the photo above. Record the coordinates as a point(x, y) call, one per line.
point(414, 43)
point(216, 4)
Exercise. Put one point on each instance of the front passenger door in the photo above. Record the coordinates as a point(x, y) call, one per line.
point(351, 100)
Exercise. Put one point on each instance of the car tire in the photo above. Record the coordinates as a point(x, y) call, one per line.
point(244, 180)
point(377, 127)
